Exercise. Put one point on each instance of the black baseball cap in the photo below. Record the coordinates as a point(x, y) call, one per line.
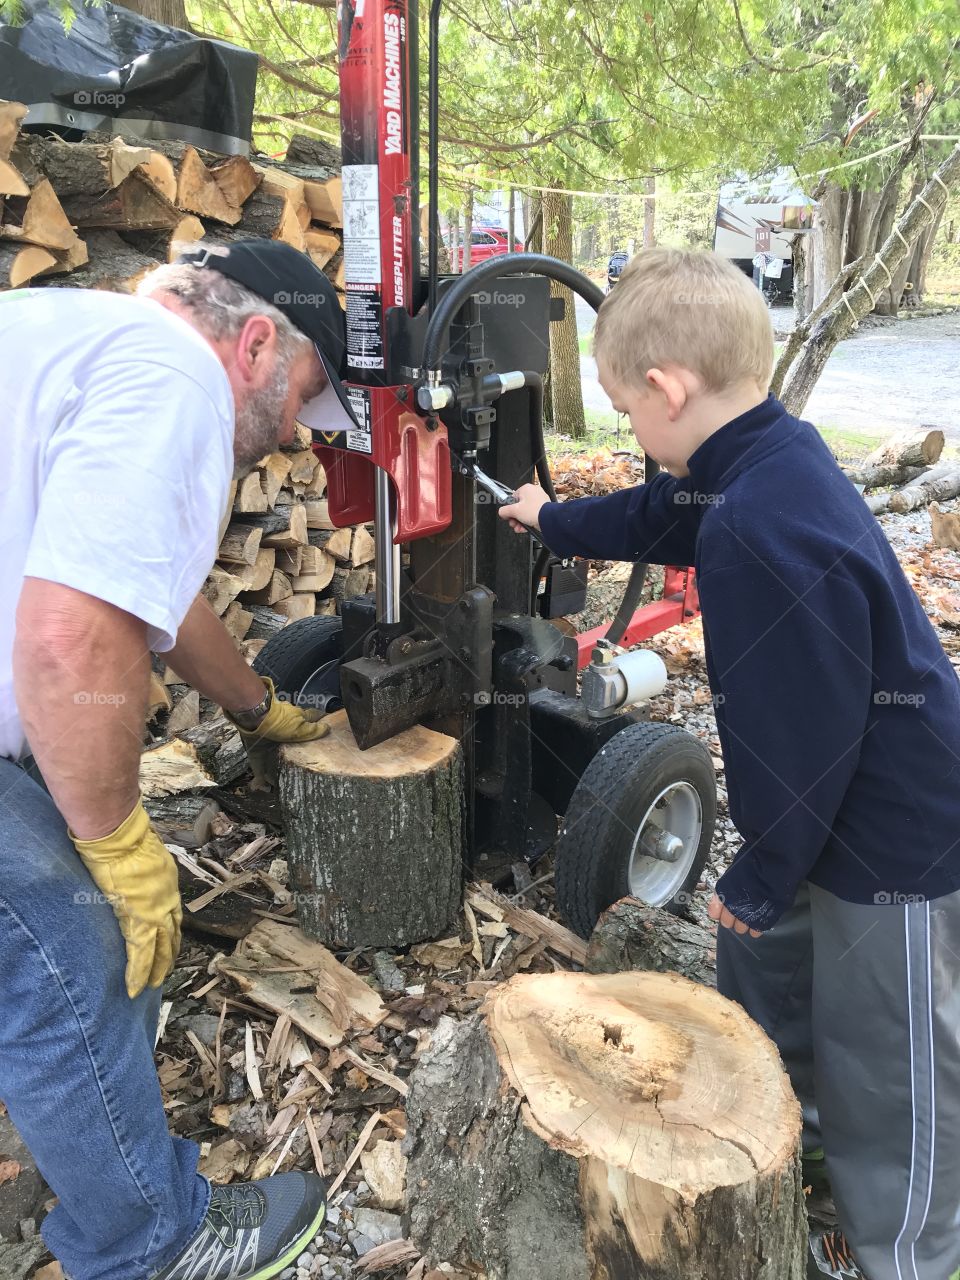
point(290, 281)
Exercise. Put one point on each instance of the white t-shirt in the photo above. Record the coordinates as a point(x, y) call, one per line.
point(117, 423)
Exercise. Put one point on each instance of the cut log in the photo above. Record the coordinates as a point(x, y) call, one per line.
point(945, 527)
point(240, 544)
point(335, 542)
point(274, 963)
point(295, 607)
point(321, 245)
point(302, 466)
point(883, 473)
point(112, 265)
point(186, 820)
point(236, 178)
point(250, 498)
point(256, 576)
point(39, 219)
point(71, 259)
point(315, 582)
point(221, 589)
point(317, 152)
point(199, 192)
point(362, 549)
point(346, 584)
point(318, 516)
point(266, 623)
point(317, 486)
point(908, 449)
point(12, 182)
point(86, 170)
point(237, 620)
point(289, 560)
point(277, 182)
point(20, 264)
point(374, 838)
point(278, 588)
point(273, 218)
point(166, 245)
point(335, 271)
point(135, 205)
point(295, 533)
point(185, 715)
point(609, 1126)
point(162, 174)
point(11, 117)
point(314, 560)
point(273, 471)
point(631, 935)
point(219, 749)
point(158, 699)
point(170, 768)
point(939, 482)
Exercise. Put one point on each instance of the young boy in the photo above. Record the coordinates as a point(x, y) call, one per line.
point(839, 717)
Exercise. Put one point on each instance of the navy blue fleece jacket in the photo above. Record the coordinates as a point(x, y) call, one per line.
point(837, 709)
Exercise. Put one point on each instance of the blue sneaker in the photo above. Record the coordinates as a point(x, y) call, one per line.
point(253, 1230)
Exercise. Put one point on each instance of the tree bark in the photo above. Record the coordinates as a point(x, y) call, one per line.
point(907, 449)
point(650, 215)
point(936, 484)
point(374, 838)
point(467, 253)
point(591, 1137)
point(565, 384)
point(828, 225)
point(631, 935)
point(838, 321)
point(172, 13)
point(884, 474)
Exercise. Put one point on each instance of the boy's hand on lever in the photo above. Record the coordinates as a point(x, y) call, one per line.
point(523, 515)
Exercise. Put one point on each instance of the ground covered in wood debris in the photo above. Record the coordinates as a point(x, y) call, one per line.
point(274, 1054)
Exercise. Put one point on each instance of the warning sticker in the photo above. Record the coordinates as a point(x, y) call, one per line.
point(361, 224)
point(360, 439)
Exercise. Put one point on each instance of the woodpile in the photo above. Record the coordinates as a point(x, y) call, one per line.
point(102, 212)
point(908, 472)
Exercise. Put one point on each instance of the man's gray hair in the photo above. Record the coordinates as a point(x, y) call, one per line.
point(218, 306)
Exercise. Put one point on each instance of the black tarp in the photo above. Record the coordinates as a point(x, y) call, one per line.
point(115, 71)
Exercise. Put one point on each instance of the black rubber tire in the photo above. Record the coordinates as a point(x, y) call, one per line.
point(616, 789)
point(292, 656)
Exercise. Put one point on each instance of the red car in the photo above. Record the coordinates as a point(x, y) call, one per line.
point(486, 242)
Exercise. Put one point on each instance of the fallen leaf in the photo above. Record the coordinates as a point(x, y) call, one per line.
point(10, 1170)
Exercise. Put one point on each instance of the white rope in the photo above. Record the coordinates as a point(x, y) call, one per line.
point(897, 232)
point(926, 206)
point(856, 322)
point(873, 301)
point(878, 261)
point(946, 189)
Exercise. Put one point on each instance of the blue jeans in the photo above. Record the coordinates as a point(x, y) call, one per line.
point(76, 1057)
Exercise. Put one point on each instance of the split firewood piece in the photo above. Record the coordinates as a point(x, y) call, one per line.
point(11, 181)
point(335, 542)
point(275, 962)
point(158, 699)
point(272, 217)
point(362, 549)
point(631, 935)
point(320, 576)
point(289, 560)
point(648, 1120)
point(19, 265)
point(277, 182)
point(318, 514)
point(494, 906)
point(39, 219)
point(186, 820)
point(273, 469)
point(240, 544)
point(335, 271)
point(374, 837)
point(134, 205)
point(199, 192)
point(250, 497)
point(277, 589)
point(256, 576)
point(165, 245)
point(321, 244)
point(266, 623)
point(170, 768)
point(89, 169)
point(113, 264)
point(159, 169)
point(296, 606)
point(284, 527)
point(914, 448)
point(237, 179)
point(308, 149)
point(316, 487)
point(221, 589)
point(237, 620)
point(347, 584)
point(185, 715)
point(11, 117)
point(302, 466)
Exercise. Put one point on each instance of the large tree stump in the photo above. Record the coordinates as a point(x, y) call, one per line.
point(374, 838)
point(606, 1127)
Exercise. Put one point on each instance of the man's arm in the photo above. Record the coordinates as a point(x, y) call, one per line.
point(206, 657)
point(81, 671)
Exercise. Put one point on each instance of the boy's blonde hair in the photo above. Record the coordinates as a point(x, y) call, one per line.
point(676, 307)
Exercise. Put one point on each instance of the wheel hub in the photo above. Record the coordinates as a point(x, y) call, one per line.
point(665, 845)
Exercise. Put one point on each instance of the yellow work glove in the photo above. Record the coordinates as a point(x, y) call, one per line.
point(283, 722)
point(138, 876)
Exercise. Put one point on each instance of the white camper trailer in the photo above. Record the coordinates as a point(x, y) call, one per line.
point(760, 217)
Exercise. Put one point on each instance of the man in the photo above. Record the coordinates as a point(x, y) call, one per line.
point(124, 421)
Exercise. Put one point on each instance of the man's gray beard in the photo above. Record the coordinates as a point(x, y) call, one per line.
point(260, 421)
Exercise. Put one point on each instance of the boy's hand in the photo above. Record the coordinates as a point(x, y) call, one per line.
point(717, 911)
point(523, 515)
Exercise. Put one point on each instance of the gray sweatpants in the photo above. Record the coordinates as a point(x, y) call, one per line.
point(864, 1004)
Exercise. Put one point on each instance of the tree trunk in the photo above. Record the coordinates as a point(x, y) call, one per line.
point(802, 276)
point(885, 474)
point(631, 935)
point(566, 388)
point(908, 449)
point(862, 225)
point(172, 13)
point(467, 229)
point(453, 221)
point(827, 237)
point(841, 317)
point(374, 838)
point(609, 1127)
point(650, 214)
point(917, 276)
point(937, 484)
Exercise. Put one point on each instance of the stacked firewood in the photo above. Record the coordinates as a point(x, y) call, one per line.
point(906, 472)
point(102, 212)
point(281, 557)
